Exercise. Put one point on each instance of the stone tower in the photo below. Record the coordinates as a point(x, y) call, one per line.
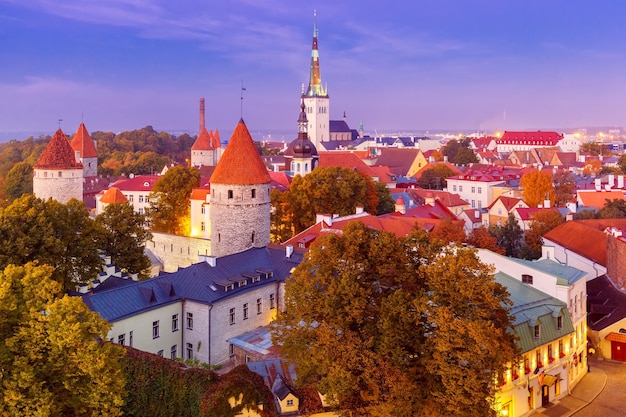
point(301, 155)
point(57, 173)
point(205, 151)
point(85, 151)
point(240, 197)
point(316, 100)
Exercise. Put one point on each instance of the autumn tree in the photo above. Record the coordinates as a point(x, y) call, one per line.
point(169, 200)
point(542, 222)
point(481, 238)
point(564, 188)
point(449, 231)
point(123, 238)
point(613, 209)
point(52, 358)
point(389, 327)
point(621, 162)
point(592, 167)
point(61, 235)
point(332, 190)
point(434, 177)
point(537, 186)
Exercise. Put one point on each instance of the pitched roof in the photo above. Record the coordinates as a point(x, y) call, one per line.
point(345, 159)
point(598, 198)
point(448, 199)
point(58, 154)
point(113, 195)
point(538, 138)
point(607, 304)
point(399, 160)
point(529, 213)
point(83, 143)
point(593, 245)
point(137, 183)
point(200, 194)
point(241, 163)
point(508, 202)
point(204, 141)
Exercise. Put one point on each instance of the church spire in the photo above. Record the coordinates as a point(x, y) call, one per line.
point(315, 79)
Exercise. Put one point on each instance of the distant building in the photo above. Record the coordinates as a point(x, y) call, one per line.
point(207, 148)
point(301, 155)
point(85, 151)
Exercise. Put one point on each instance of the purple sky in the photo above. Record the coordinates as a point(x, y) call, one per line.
point(398, 65)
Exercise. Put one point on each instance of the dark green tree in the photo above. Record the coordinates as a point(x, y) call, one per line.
point(19, 180)
point(434, 177)
point(389, 327)
point(509, 236)
point(169, 200)
point(385, 201)
point(613, 209)
point(123, 238)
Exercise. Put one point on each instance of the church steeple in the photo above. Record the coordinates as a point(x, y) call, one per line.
point(315, 78)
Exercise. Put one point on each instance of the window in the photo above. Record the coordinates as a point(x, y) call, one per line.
point(527, 279)
point(130, 198)
point(141, 210)
point(190, 321)
point(272, 301)
point(575, 304)
point(473, 190)
point(175, 322)
point(454, 187)
point(499, 211)
point(289, 403)
point(60, 174)
point(232, 316)
point(559, 323)
point(155, 329)
point(120, 338)
point(189, 351)
point(160, 353)
point(252, 237)
point(550, 351)
point(245, 311)
point(561, 350)
point(147, 200)
point(473, 203)
point(141, 199)
point(130, 338)
point(230, 194)
point(231, 349)
point(537, 331)
point(480, 204)
point(202, 209)
point(253, 193)
point(173, 353)
point(480, 190)
point(259, 305)
point(460, 188)
point(538, 356)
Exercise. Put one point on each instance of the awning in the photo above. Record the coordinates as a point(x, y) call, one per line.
point(616, 337)
point(549, 380)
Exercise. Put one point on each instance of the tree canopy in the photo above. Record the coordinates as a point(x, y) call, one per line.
point(52, 360)
point(123, 238)
point(169, 200)
point(543, 221)
point(564, 188)
point(510, 237)
point(434, 177)
point(537, 186)
point(385, 326)
point(459, 152)
point(613, 209)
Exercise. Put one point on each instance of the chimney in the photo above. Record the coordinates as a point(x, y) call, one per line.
point(620, 181)
point(400, 207)
point(211, 260)
point(430, 199)
point(359, 210)
point(83, 288)
point(445, 159)
point(611, 180)
point(598, 184)
point(201, 115)
point(324, 218)
point(546, 203)
point(288, 251)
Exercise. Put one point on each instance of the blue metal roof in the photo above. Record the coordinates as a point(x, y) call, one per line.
point(566, 275)
point(198, 282)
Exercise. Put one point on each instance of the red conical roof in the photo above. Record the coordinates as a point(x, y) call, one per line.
point(82, 143)
point(216, 140)
point(113, 195)
point(241, 163)
point(203, 142)
point(58, 154)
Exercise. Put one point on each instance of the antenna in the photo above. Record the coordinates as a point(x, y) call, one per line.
point(242, 90)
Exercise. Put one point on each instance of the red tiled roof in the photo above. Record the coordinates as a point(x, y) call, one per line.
point(345, 159)
point(113, 195)
point(138, 183)
point(204, 142)
point(598, 198)
point(217, 143)
point(241, 163)
point(538, 138)
point(447, 198)
point(58, 154)
point(529, 213)
point(83, 143)
point(199, 194)
point(508, 202)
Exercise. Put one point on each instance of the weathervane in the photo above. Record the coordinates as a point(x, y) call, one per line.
point(60, 120)
point(242, 90)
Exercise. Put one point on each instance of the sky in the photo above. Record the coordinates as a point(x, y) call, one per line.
point(409, 65)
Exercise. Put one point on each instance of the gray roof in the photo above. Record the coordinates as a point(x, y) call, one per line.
point(199, 282)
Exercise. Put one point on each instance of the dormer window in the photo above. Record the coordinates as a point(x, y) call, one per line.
point(243, 283)
point(559, 323)
point(527, 279)
point(229, 287)
point(537, 331)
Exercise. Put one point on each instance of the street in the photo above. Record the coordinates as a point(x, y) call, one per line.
point(612, 400)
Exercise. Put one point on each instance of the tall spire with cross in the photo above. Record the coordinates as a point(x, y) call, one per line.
point(315, 78)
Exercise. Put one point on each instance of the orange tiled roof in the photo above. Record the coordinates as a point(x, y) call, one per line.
point(241, 163)
point(217, 143)
point(83, 143)
point(113, 195)
point(200, 194)
point(204, 142)
point(58, 154)
point(598, 198)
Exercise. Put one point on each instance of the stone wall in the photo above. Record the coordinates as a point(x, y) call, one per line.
point(616, 261)
point(59, 184)
point(178, 251)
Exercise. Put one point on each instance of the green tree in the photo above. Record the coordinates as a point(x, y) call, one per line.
point(537, 186)
point(388, 327)
point(19, 180)
point(52, 359)
point(61, 235)
point(123, 238)
point(621, 162)
point(332, 190)
point(434, 177)
point(613, 209)
point(509, 236)
point(481, 238)
point(385, 201)
point(169, 201)
point(465, 156)
point(281, 222)
point(543, 221)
